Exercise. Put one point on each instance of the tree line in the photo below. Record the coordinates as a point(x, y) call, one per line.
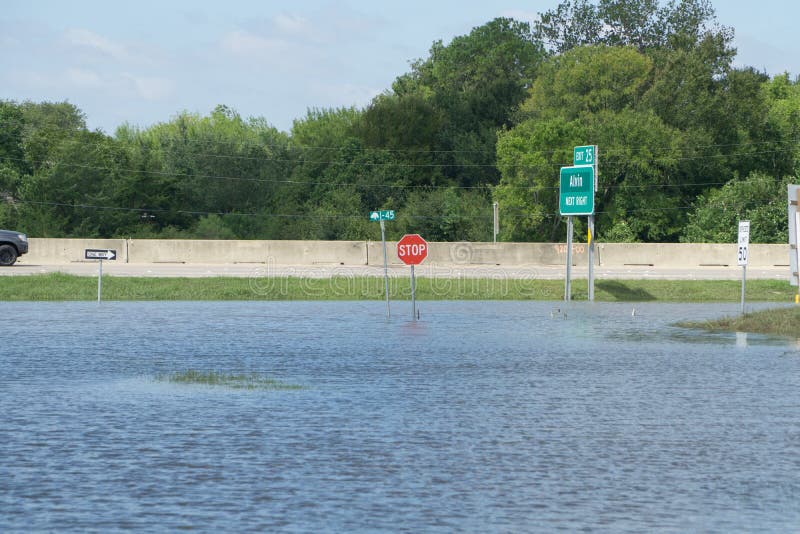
point(688, 144)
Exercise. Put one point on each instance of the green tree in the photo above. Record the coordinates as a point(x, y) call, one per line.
point(406, 129)
point(451, 103)
point(212, 227)
point(12, 149)
point(591, 95)
point(642, 182)
point(528, 157)
point(782, 96)
point(339, 214)
point(34, 136)
point(759, 198)
point(643, 24)
point(339, 178)
point(194, 166)
point(317, 138)
point(587, 80)
point(46, 126)
point(447, 214)
point(75, 195)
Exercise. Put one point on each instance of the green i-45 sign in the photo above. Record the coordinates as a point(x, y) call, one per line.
point(382, 215)
point(576, 194)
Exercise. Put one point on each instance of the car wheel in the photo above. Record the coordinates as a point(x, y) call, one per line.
point(8, 255)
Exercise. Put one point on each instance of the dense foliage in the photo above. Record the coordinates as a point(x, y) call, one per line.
point(688, 145)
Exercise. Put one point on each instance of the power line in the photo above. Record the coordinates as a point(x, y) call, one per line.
point(518, 214)
point(172, 174)
point(232, 178)
point(291, 145)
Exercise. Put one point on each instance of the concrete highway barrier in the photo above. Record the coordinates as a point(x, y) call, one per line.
point(659, 255)
point(53, 250)
point(687, 255)
point(278, 252)
point(469, 253)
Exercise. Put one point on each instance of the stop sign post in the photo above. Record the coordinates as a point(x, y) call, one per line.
point(412, 250)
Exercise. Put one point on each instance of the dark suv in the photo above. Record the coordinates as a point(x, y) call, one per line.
point(12, 245)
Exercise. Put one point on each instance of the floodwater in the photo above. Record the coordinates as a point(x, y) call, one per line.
point(480, 417)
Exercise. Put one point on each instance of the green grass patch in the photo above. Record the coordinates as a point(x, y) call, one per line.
point(233, 381)
point(777, 321)
point(63, 287)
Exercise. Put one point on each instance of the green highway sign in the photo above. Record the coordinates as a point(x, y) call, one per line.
point(584, 155)
point(383, 215)
point(576, 195)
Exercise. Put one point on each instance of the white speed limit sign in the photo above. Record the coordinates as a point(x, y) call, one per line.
point(744, 241)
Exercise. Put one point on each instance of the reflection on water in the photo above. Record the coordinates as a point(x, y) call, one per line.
point(483, 416)
point(741, 339)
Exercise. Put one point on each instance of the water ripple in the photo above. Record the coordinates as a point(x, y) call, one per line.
point(483, 417)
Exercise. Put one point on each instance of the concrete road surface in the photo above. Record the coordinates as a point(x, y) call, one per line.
point(531, 272)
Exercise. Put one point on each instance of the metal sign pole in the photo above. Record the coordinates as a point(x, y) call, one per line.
point(797, 244)
point(591, 258)
point(744, 277)
point(385, 267)
point(595, 162)
point(100, 281)
point(413, 294)
point(496, 225)
point(567, 285)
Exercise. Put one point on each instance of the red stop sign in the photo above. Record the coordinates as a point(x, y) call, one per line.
point(412, 249)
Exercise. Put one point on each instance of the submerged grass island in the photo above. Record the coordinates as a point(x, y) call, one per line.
point(775, 321)
point(227, 380)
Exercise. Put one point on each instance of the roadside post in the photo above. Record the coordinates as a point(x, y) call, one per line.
point(412, 250)
point(794, 238)
point(576, 197)
point(568, 278)
point(496, 222)
point(384, 215)
point(100, 254)
point(590, 247)
point(587, 155)
point(744, 242)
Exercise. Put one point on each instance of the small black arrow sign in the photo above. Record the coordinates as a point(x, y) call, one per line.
point(100, 254)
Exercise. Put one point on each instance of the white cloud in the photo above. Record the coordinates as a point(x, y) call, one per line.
point(311, 36)
point(8, 41)
point(243, 43)
point(344, 94)
point(344, 24)
point(293, 25)
point(83, 78)
point(292, 57)
point(327, 28)
point(90, 84)
point(98, 48)
point(28, 80)
point(151, 88)
point(98, 43)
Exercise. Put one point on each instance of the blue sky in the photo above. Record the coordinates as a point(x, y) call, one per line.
point(142, 62)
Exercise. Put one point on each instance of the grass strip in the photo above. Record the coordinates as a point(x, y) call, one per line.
point(777, 321)
point(64, 287)
point(234, 381)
